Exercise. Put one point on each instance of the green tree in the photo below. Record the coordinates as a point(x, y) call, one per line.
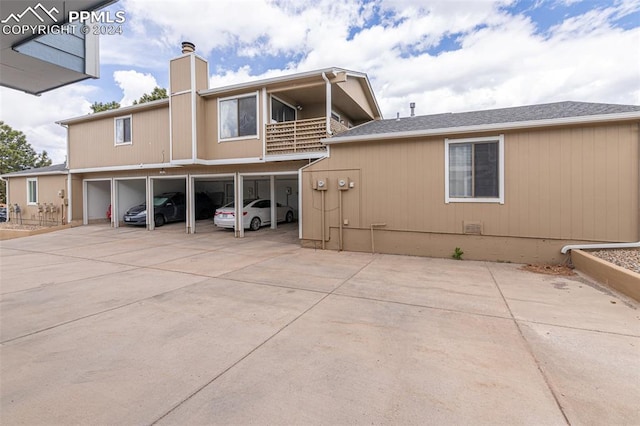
point(157, 93)
point(17, 154)
point(99, 106)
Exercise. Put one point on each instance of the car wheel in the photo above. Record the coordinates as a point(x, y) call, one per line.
point(255, 224)
point(289, 217)
point(159, 220)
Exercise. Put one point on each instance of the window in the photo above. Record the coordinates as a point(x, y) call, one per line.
point(474, 170)
point(238, 117)
point(281, 112)
point(123, 130)
point(32, 191)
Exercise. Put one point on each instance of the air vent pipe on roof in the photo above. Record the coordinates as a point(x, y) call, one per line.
point(188, 47)
point(412, 105)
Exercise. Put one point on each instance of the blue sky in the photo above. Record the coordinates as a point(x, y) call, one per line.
point(446, 55)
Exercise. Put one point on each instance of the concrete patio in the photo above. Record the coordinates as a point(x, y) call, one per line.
point(125, 326)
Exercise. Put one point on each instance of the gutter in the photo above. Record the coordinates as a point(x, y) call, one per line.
point(565, 249)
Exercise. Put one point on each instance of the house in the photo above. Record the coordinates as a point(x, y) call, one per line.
point(38, 195)
point(241, 141)
point(512, 184)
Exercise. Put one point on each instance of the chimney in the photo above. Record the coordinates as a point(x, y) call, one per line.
point(188, 47)
point(412, 105)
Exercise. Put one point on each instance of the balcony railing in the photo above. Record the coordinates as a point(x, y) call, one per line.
point(300, 136)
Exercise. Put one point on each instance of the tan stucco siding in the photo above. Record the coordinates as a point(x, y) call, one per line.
point(92, 144)
point(181, 130)
point(573, 184)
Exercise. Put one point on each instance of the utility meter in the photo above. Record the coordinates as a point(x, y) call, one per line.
point(343, 184)
point(320, 185)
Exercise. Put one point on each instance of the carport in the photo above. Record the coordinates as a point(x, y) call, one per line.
point(97, 198)
point(161, 184)
point(128, 192)
point(283, 187)
point(216, 189)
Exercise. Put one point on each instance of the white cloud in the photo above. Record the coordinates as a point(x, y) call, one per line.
point(501, 58)
point(35, 116)
point(133, 84)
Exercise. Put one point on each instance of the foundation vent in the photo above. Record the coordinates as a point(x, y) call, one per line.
point(471, 228)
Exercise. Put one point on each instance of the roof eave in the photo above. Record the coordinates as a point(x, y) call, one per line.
point(116, 112)
point(19, 174)
point(275, 80)
point(603, 118)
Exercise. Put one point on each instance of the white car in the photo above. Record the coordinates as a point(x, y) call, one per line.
point(254, 214)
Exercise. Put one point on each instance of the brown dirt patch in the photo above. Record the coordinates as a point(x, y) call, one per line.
point(21, 227)
point(550, 269)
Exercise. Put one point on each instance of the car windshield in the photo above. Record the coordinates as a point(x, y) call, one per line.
point(158, 201)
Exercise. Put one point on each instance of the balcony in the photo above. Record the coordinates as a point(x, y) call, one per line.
point(300, 136)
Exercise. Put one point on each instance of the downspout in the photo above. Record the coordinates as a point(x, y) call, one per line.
point(266, 118)
point(565, 249)
point(328, 103)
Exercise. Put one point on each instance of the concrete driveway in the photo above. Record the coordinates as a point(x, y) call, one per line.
point(125, 326)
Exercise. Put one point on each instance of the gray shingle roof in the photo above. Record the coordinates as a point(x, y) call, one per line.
point(40, 170)
point(494, 116)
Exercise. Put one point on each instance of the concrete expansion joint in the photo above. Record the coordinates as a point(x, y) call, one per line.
point(567, 327)
point(252, 351)
point(529, 349)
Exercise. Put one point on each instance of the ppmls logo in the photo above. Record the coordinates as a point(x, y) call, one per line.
point(38, 20)
point(33, 11)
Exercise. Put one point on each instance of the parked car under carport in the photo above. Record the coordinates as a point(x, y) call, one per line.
point(255, 213)
point(167, 207)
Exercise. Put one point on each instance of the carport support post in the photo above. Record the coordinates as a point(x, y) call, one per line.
point(274, 209)
point(114, 204)
point(239, 203)
point(150, 222)
point(190, 206)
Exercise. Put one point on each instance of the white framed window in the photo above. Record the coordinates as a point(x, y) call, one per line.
point(474, 170)
point(282, 111)
point(123, 130)
point(32, 191)
point(238, 117)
